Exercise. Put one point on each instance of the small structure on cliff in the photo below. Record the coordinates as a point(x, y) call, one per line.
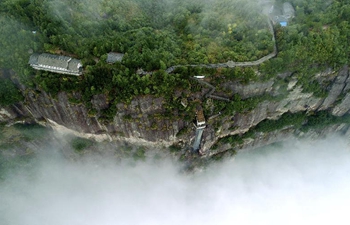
point(113, 57)
point(184, 102)
point(200, 126)
point(200, 120)
point(281, 14)
point(56, 64)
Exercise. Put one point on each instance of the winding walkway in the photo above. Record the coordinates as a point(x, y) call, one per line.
point(231, 64)
point(210, 93)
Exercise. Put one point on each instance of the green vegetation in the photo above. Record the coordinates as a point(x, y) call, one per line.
point(175, 148)
point(287, 119)
point(139, 153)
point(152, 34)
point(17, 134)
point(30, 131)
point(298, 121)
point(80, 144)
point(2, 126)
point(323, 119)
point(9, 93)
point(316, 38)
point(157, 34)
point(8, 165)
point(14, 153)
point(222, 155)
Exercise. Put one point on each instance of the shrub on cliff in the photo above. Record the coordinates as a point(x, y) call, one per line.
point(9, 94)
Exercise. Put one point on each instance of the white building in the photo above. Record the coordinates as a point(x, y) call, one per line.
point(56, 64)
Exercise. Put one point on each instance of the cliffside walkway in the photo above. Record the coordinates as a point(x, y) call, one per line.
point(231, 64)
point(210, 93)
point(197, 139)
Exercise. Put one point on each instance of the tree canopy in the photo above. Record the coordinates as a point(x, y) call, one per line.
point(157, 34)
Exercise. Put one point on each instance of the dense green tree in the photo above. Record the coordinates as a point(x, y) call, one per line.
point(9, 93)
point(158, 34)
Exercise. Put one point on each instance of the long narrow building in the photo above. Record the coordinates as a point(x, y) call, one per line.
point(200, 126)
point(56, 64)
point(200, 123)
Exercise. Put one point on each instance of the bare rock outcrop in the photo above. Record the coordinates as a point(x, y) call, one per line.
point(339, 83)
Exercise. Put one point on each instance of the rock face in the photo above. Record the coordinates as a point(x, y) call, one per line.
point(343, 107)
point(143, 121)
point(339, 83)
point(337, 102)
point(250, 90)
point(133, 122)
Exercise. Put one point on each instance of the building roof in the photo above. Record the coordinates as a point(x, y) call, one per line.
point(113, 57)
point(74, 65)
point(54, 60)
point(56, 63)
point(34, 58)
point(200, 116)
point(184, 102)
point(282, 13)
point(283, 23)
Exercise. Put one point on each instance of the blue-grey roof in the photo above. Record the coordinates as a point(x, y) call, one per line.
point(56, 63)
point(283, 23)
point(113, 57)
point(33, 58)
point(282, 13)
point(54, 60)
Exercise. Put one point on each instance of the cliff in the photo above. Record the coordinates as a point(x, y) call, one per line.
point(136, 122)
point(143, 121)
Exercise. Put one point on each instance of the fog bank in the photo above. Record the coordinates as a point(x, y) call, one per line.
point(304, 182)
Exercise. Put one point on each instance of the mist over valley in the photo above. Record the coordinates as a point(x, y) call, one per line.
point(174, 112)
point(304, 182)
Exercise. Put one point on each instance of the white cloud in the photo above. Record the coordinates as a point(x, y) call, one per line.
point(298, 183)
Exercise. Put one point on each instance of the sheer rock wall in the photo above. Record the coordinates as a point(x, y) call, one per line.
point(142, 121)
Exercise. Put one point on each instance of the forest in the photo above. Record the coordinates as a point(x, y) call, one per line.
point(157, 34)
point(153, 34)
